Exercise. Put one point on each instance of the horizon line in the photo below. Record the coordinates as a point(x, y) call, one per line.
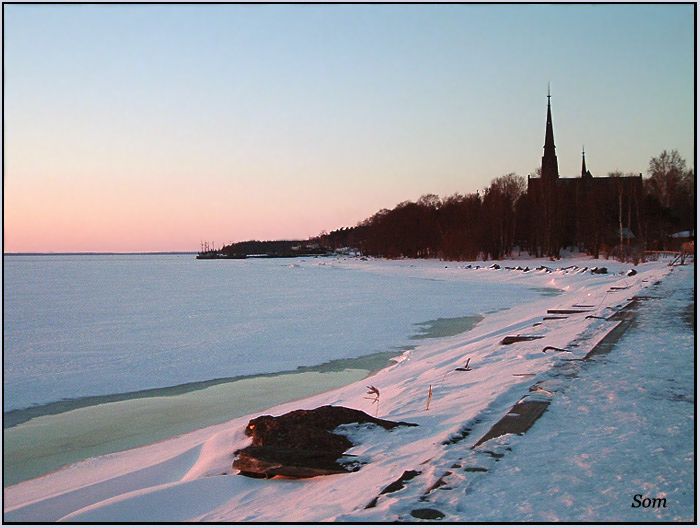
point(48, 253)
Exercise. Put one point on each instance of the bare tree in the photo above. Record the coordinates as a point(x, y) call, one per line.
point(499, 201)
point(667, 177)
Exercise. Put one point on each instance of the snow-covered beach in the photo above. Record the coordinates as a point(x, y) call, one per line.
point(106, 353)
point(189, 477)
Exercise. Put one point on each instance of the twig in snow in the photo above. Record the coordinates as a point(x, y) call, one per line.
point(373, 396)
point(466, 367)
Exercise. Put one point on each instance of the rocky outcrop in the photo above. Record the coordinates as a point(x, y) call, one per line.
point(301, 444)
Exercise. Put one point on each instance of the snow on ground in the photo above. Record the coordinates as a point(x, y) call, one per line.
point(189, 478)
point(620, 424)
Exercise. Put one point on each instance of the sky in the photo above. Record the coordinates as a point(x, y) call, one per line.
point(154, 127)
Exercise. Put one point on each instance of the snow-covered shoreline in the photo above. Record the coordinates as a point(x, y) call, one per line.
point(189, 477)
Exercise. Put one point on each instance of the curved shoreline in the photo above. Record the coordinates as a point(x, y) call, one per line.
point(15, 417)
point(36, 437)
point(117, 479)
point(436, 328)
point(48, 443)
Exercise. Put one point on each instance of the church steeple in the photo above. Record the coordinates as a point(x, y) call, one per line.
point(584, 171)
point(549, 133)
point(550, 166)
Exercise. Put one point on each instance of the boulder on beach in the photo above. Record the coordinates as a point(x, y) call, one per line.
point(301, 444)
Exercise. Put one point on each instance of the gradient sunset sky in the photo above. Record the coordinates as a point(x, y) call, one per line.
point(152, 127)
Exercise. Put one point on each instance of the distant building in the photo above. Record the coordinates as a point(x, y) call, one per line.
point(586, 211)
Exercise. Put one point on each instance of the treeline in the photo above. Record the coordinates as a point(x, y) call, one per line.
point(273, 248)
point(490, 223)
point(459, 227)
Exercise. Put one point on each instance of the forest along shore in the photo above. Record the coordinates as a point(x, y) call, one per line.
point(428, 386)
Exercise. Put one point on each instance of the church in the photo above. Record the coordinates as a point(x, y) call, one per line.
point(594, 214)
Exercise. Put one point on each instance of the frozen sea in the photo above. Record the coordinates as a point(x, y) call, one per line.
point(92, 333)
point(78, 326)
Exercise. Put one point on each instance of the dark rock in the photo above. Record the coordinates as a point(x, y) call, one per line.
point(427, 513)
point(632, 273)
point(296, 428)
point(267, 462)
point(301, 444)
point(399, 484)
point(509, 340)
point(599, 271)
point(495, 266)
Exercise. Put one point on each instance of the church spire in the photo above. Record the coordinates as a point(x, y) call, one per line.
point(584, 171)
point(549, 133)
point(550, 167)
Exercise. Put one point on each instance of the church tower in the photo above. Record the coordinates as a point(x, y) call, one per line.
point(584, 172)
point(550, 167)
point(550, 221)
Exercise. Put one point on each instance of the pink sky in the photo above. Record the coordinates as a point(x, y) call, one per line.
point(84, 219)
point(153, 127)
